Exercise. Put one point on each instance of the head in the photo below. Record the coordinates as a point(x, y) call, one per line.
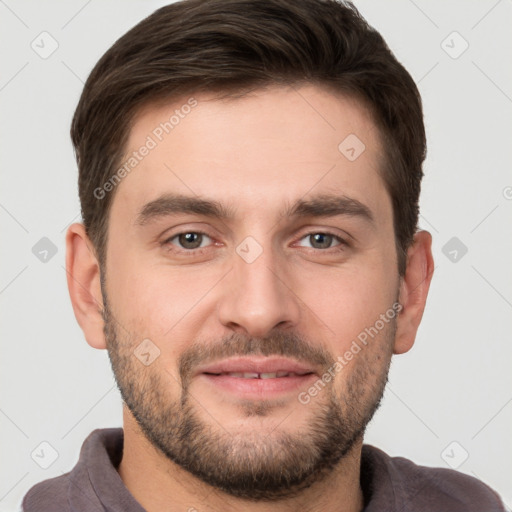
point(249, 175)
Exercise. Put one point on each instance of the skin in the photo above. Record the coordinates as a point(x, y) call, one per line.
point(256, 154)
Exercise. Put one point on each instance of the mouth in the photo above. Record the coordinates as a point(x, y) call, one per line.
point(262, 375)
point(257, 378)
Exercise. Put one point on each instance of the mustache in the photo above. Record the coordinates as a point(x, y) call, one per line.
point(285, 344)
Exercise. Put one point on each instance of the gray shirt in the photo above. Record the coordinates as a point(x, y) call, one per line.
point(389, 484)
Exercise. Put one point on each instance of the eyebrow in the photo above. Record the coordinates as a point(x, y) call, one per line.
point(324, 205)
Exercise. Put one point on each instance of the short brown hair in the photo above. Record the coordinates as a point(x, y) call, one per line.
point(233, 46)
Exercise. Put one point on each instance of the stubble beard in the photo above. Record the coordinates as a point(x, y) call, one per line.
point(252, 465)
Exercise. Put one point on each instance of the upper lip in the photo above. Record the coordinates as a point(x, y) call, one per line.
point(256, 365)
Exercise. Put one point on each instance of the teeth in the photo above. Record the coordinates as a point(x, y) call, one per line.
point(255, 375)
point(250, 375)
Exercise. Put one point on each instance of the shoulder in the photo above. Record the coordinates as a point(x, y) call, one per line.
point(79, 489)
point(416, 487)
point(48, 496)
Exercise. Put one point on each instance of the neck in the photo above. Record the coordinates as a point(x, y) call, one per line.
point(157, 483)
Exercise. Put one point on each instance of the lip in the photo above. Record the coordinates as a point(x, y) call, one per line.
point(218, 375)
point(256, 365)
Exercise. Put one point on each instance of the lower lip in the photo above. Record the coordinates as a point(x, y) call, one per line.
point(259, 388)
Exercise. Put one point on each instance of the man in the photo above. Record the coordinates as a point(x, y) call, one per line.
point(249, 174)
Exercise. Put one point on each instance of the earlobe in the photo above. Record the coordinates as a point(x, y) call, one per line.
point(414, 290)
point(83, 278)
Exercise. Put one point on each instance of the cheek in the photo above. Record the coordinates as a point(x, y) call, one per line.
point(167, 305)
point(347, 301)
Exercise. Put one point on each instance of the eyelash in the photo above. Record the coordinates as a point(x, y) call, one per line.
point(343, 244)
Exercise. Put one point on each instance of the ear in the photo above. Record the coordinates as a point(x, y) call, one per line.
point(414, 287)
point(83, 276)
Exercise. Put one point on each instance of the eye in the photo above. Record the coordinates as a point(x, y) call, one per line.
point(320, 240)
point(189, 240)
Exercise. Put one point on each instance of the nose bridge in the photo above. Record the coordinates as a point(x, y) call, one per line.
point(257, 299)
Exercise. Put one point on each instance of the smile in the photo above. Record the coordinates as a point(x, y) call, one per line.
point(256, 375)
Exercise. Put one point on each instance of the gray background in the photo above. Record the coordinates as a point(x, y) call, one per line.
point(449, 400)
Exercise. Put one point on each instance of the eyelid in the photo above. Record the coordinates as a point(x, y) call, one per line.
point(183, 229)
point(327, 230)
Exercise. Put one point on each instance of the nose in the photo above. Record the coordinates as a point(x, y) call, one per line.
point(258, 296)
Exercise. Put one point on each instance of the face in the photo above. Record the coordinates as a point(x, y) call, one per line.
point(251, 285)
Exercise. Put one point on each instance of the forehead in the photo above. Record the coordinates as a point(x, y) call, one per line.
point(257, 152)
